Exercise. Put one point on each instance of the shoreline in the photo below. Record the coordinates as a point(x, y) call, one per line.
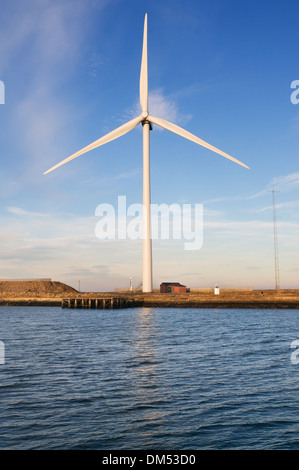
point(257, 299)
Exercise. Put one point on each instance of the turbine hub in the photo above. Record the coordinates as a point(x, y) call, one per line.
point(144, 114)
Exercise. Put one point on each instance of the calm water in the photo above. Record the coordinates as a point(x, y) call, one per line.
point(160, 379)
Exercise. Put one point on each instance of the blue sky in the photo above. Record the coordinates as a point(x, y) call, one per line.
point(220, 69)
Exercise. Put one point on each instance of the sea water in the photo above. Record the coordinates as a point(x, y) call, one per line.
point(148, 378)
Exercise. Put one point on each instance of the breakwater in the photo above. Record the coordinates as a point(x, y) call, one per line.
point(266, 299)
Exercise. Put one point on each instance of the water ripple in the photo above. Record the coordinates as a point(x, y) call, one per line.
point(148, 379)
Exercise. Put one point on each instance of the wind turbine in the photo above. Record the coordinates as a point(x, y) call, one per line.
point(145, 119)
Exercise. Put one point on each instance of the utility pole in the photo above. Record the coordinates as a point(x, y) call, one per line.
point(275, 241)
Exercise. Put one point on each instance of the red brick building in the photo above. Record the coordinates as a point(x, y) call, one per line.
point(172, 288)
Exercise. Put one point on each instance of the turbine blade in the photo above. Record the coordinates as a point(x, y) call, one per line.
point(144, 73)
point(103, 140)
point(182, 132)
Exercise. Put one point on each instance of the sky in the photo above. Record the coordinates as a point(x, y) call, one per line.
point(220, 69)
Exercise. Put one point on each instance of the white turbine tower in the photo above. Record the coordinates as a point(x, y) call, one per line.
point(145, 119)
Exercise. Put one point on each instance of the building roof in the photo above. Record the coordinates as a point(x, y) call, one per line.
point(172, 284)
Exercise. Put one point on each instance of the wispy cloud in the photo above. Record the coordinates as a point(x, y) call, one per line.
point(286, 182)
point(50, 37)
point(160, 105)
point(283, 183)
point(48, 246)
point(212, 213)
point(125, 175)
point(105, 180)
point(285, 205)
point(255, 195)
point(19, 211)
point(217, 199)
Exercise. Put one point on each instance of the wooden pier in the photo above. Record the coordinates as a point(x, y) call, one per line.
point(98, 303)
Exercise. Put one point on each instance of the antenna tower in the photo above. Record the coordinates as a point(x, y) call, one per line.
point(275, 241)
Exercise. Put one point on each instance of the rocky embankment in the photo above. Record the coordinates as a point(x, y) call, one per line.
point(34, 292)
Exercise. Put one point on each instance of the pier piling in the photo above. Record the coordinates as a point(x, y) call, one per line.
point(99, 303)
